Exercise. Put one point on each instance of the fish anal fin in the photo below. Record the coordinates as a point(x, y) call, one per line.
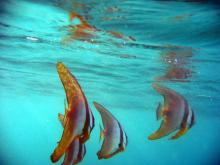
point(154, 136)
point(159, 111)
point(102, 133)
point(181, 132)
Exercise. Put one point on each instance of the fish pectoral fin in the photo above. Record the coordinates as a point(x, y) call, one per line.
point(66, 112)
point(65, 107)
point(102, 133)
point(61, 118)
point(159, 111)
point(181, 132)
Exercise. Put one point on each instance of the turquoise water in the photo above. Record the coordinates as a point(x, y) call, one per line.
point(114, 72)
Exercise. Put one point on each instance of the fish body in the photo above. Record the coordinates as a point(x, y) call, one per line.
point(77, 114)
point(76, 151)
point(115, 139)
point(176, 114)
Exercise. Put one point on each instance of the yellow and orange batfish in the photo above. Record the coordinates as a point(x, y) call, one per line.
point(176, 114)
point(79, 119)
point(115, 139)
point(76, 151)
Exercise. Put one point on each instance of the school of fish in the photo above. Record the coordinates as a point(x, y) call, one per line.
point(78, 121)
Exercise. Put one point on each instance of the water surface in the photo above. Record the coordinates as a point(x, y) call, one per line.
point(169, 36)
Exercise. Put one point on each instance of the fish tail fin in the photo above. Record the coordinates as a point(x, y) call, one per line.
point(154, 136)
point(102, 133)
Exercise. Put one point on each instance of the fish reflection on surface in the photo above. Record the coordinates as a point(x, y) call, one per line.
point(180, 18)
point(176, 114)
point(177, 57)
point(80, 29)
point(176, 74)
point(115, 139)
point(79, 118)
point(121, 36)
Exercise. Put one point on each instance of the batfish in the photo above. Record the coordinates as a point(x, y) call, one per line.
point(78, 116)
point(115, 139)
point(176, 114)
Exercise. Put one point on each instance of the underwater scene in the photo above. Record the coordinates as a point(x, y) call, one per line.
point(97, 82)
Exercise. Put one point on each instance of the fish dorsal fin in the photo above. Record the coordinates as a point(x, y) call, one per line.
point(61, 118)
point(102, 133)
point(159, 111)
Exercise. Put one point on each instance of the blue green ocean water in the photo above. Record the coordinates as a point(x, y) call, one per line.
point(114, 72)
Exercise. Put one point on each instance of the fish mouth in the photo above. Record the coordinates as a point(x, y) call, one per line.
point(57, 154)
point(59, 65)
point(54, 158)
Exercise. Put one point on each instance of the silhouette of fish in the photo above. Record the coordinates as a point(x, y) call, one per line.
point(176, 74)
point(176, 114)
point(115, 139)
point(78, 116)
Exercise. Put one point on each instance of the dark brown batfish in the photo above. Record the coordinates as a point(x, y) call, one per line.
point(176, 114)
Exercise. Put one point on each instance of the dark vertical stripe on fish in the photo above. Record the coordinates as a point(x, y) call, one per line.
point(79, 156)
point(121, 136)
point(126, 139)
point(87, 122)
point(93, 121)
point(84, 150)
point(186, 114)
point(192, 119)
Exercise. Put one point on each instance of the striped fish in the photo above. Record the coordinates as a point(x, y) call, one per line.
point(115, 139)
point(76, 151)
point(79, 118)
point(176, 114)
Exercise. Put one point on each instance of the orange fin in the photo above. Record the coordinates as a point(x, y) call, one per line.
point(179, 133)
point(102, 133)
point(159, 111)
